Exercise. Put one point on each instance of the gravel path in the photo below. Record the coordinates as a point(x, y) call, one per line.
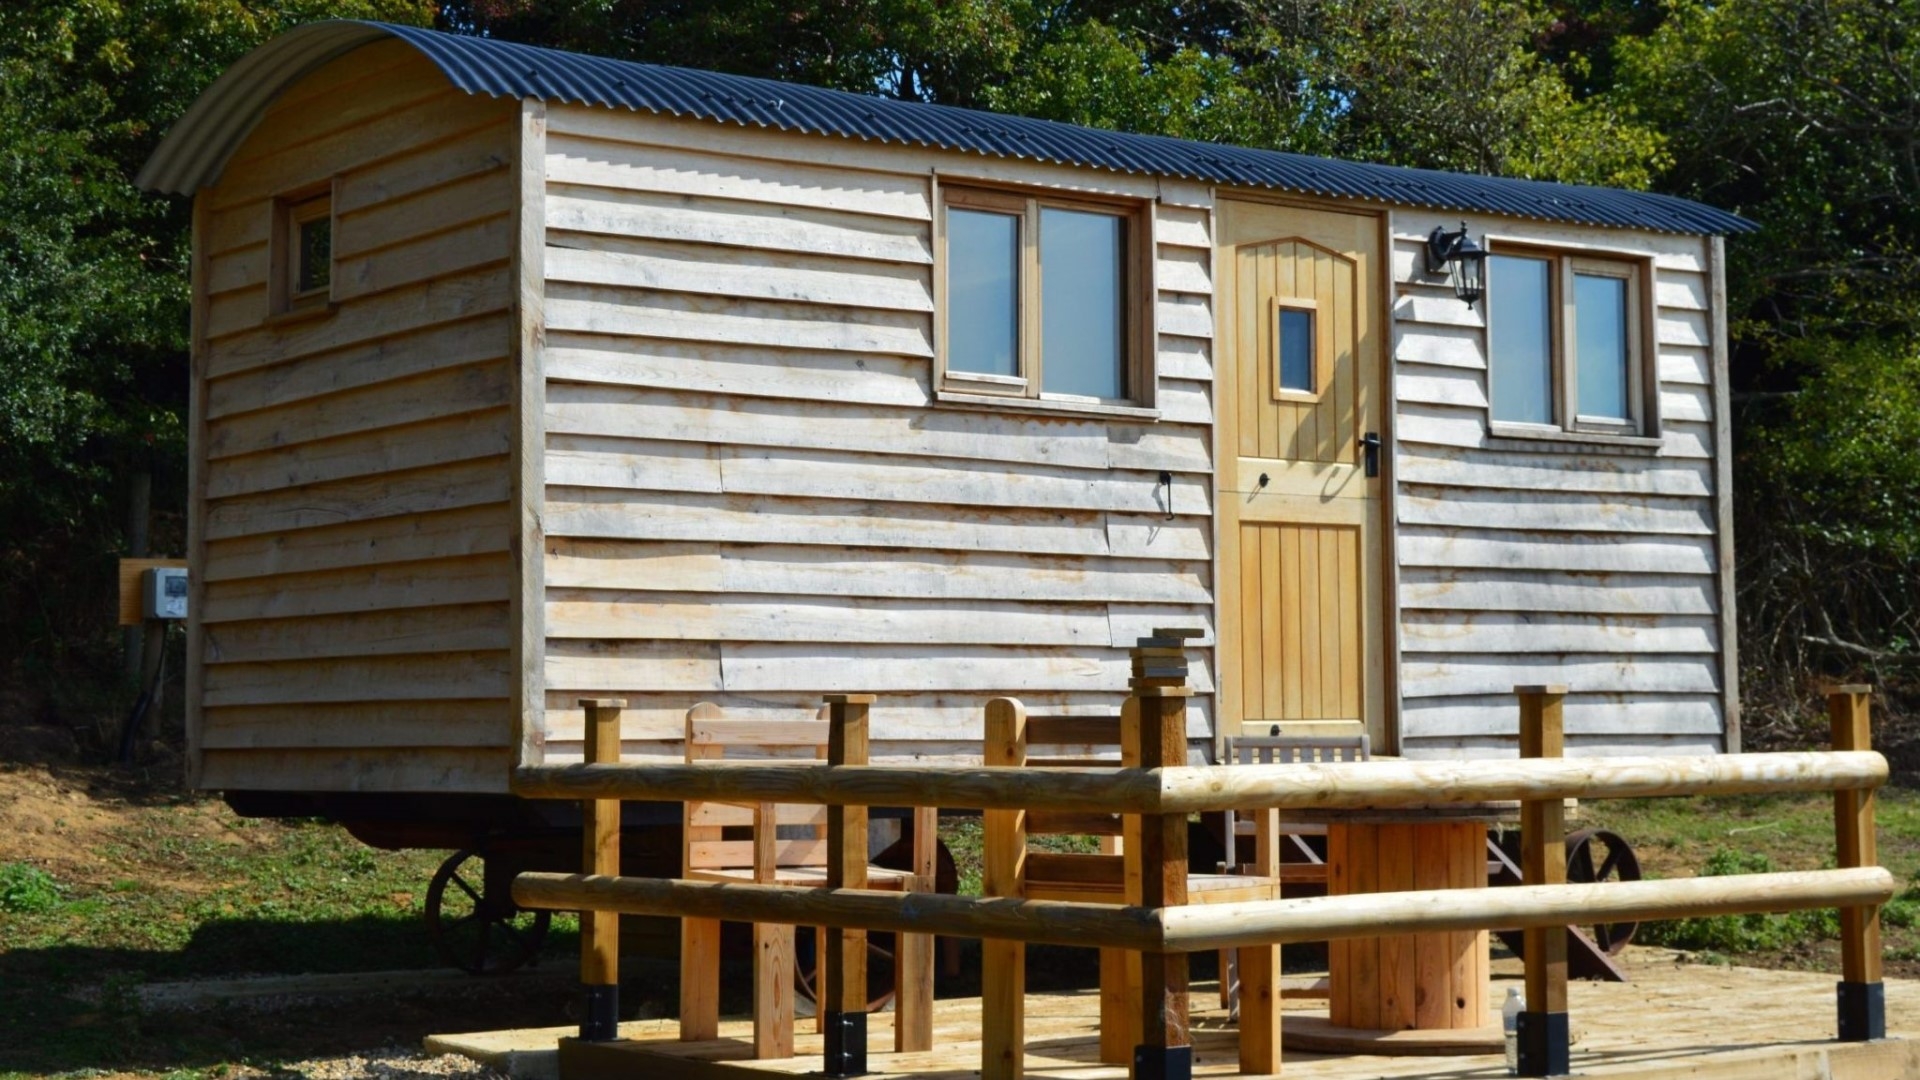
point(390, 1064)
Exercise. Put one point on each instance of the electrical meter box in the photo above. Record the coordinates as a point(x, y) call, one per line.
point(164, 593)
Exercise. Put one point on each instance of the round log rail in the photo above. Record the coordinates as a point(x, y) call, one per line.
point(1187, 789)
point(1520, 907)
point(1215, 926)
point(1002, 918)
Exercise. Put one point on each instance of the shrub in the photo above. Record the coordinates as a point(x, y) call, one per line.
point(1740, 933)
point(27, 890)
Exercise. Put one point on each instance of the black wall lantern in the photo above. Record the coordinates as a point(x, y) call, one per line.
point(1463, 261)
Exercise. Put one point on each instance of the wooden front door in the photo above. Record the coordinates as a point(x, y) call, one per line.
point(1299, 393)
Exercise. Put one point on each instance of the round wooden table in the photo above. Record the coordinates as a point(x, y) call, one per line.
point(1407, 993)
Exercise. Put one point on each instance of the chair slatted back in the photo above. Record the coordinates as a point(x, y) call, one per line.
point(1283, 750)
point(779, 834)
point(1296, 749)
point(1098, 742)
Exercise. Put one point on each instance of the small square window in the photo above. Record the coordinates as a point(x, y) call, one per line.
point(1043, 300)
point(303, 253)
point(1565, 348)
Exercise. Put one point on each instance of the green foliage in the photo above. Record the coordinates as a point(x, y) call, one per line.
point(27, 890)
point(1805, 116)
point(1903, 911)
point(93, 295)
point(1741, 933)
point(1456, 84)
point(1856, 416)
point(1801, 114)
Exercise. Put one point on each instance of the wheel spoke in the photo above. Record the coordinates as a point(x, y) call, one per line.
point(1608, 867)
point(466, 888)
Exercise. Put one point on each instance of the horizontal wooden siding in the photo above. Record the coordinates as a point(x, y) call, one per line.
point(354, 554)
point(752, 498)
point(1525, 561)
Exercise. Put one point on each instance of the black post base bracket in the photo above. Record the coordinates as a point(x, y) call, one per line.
point(600, 1017)
point(846, 1038)
point(1163, 1063)
point(1863, 1011)
point(1544, 1044)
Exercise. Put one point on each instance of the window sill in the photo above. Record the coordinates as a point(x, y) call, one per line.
point(1512, 436)
point(1010, 403)
point(305, 313)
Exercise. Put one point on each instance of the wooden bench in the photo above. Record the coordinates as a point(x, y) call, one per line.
point(783, 844)
point(1112, 876)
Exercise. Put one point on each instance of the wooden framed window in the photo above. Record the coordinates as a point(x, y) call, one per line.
point(1299, 368)
point(1043, 301)
point(302, 252)
point(1569, 346)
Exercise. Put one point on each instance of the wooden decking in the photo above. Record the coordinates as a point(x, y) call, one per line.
point(1674, 1020)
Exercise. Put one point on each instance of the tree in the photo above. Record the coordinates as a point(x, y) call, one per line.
point(93, 293)
point(1805, 116)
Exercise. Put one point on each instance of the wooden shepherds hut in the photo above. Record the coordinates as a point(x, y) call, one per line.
point(521, 376)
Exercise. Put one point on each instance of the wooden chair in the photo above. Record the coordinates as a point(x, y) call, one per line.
point(1109, 877)
point(1300, 861)
point(785, 844)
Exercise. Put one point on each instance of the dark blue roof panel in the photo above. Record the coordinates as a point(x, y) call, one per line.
point(508, 69)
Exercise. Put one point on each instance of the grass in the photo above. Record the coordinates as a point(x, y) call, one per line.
point(1758, 834)
point(257, 897)
point(964, 838)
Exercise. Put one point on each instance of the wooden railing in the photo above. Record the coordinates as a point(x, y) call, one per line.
point(1161, 928)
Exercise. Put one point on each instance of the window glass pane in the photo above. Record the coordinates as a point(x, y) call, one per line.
point(1600, 345)
point(1296, 349)
point(1520, 333)
point(983, 292)
point(316, 254)
point(1082, 317)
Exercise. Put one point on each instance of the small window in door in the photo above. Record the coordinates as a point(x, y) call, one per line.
point(1295, 339)
point(1296, 348)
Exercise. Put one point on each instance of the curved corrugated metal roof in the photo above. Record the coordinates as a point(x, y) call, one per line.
point(197, 148)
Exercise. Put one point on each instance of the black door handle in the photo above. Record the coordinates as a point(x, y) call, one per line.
point(1370, 446)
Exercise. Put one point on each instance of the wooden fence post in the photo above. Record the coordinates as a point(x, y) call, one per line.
point(844, 999)
point(913, 953)
point(600, 855)
point(1160, 689)
point(1543, 1034)
point(1862, 996)
point(1003, 964)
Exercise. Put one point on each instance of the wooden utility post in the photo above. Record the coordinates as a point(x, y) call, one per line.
point(1160, 691)
point(600, 856)
point(1544, 1038)
point(844, 1001)
point(1862, 995)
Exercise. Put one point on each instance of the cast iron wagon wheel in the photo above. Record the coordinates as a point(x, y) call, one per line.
point(473, 921)
point(807, 970)
point(1596, 855)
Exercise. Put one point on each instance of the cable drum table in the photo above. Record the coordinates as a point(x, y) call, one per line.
point(1406, 993)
